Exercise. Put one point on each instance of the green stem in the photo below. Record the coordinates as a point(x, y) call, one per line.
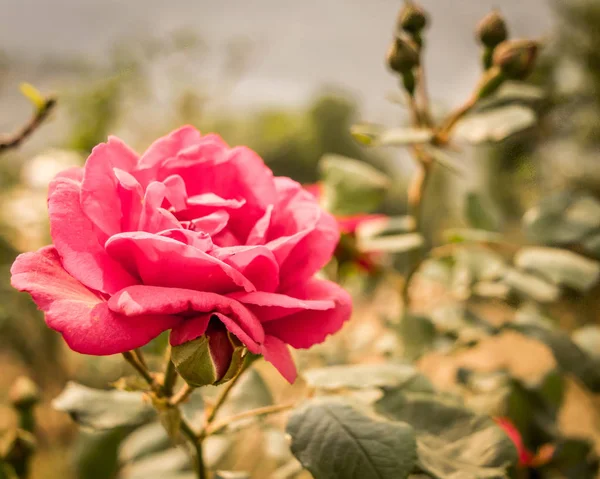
point(135, 362)
point(222, 398)
point(196, 443)
point(170, 378)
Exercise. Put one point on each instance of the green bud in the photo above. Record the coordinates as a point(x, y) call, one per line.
point(516, 58)
point(24, 393)
point(402, 55)
point(212, 359)
point(492, 30)
point(491, 81)
point(412, 19)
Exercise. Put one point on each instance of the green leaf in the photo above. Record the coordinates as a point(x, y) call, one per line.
point(446, 160)
point(404, 136)
point(391, 244)
point(100, 409)
point(33, 95)
point(562, 267)
point(452, 442)
point(463, 235)
point(360, 376)
point(335, 441)
point(144, 441)
point(366, 133)
point(569, 357)
point(562, 218)
point(573, 458)
point(497, 124)
point(232, 475)
point(592, 245)
point(531, 286)
point(160, 465)
point(418, 335)
point(376, 135)
point(386, 226)
point(479, 214)
point(588, 339)
point(351, 186)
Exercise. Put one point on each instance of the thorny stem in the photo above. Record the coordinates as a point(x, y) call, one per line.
point(181, 395)
point(222, 398)
point(13, 140)
point(219, 426)
point(170, 376)
point(187, 431)
point(453, 119)
point(138, 364)
point(132, 358)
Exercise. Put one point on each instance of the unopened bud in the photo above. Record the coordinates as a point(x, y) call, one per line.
point(516, 58)
point(24, 393)
point(402, 55)
point(492, 30)
point(491, 81)
point(412, 19)
point(212, 359)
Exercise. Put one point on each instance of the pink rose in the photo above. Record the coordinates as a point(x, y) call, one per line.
point(189, 234)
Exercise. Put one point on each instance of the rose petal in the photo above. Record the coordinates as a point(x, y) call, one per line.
point(77, 244)
point(149, 300)
point(83, 318)
point(278, 354)
point(161, 261)
point(306, 328)
point(257, 263)
point(305, 235)
point(271, 306)
point(99, 199)
point(197, 239)
point(154, 218)
point(169, 146)
point(131, 195)
point(258, 233)
point(175, 192)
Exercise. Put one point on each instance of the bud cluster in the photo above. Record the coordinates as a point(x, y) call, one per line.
point(404, 53)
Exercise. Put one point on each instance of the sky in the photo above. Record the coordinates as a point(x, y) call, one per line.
point(299, 45)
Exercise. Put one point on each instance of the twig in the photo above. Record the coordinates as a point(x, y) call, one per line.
point(8, 142)
point(219, 426)
point(133, 359)
point(222, 398)
point(181, 395)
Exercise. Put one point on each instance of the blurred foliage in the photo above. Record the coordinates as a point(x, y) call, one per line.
point(531, 178)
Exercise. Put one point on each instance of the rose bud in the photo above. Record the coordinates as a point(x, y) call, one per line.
point(516, 58)
point(412, 19)
point(492, 30)
point(211, 359)
point(402, 55)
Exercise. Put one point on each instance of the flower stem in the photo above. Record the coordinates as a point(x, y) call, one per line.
point(222, 398)
point(196, 443)
point(170, 377)
point(133, 359)
point(219, 426)
point(181, 395)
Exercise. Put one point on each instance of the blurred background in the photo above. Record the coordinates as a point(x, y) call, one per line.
point(288, 79)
